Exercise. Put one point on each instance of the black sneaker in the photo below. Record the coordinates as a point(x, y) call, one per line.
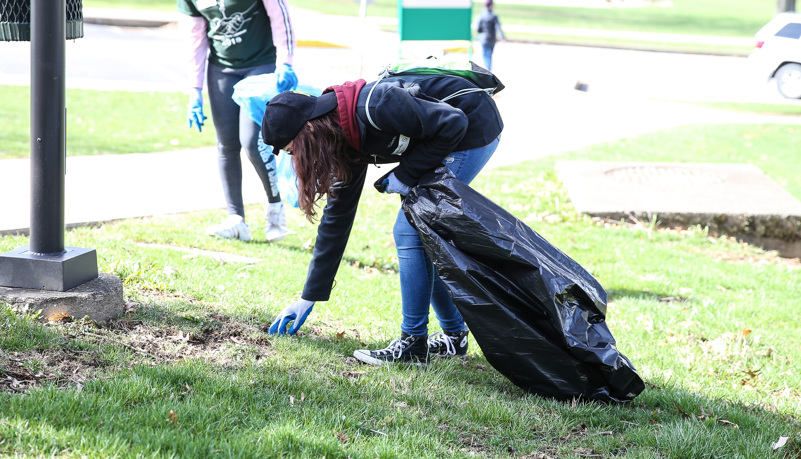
point(407, 348)
point(444, 344)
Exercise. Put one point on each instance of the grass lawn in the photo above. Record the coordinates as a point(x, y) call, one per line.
point(105, 122)
point(189, 371)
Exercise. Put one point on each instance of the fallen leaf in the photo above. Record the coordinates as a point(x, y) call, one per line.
point(130, 307)
point(728, 423)
point(60, 317)
point(173, 418)
point(782, 441)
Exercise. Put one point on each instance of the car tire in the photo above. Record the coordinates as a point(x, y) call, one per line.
point(788, 81)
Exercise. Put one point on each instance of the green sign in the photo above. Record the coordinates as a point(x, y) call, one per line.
point(435, 19)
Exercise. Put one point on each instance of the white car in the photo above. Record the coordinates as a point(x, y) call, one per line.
point(777, 54)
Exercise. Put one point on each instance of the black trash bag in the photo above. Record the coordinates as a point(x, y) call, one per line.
point(538, 316)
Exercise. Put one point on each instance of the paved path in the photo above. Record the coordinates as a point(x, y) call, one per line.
point(543, 114)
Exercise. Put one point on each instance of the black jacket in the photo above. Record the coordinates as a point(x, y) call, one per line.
point(413, 128)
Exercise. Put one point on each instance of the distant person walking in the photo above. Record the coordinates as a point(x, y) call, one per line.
point(488, 27)
point(238, 39)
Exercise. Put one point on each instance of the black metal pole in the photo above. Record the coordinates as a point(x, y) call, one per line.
point(48, 126)
point(45, 264)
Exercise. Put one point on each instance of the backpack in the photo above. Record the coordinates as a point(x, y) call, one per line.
point(481, 77)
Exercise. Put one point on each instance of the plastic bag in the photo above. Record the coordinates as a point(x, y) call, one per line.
point(536, 314)
point(287, 179)
point(252, 95)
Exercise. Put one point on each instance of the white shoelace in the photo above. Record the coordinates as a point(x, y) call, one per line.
point(395, 347)
point(441, 338)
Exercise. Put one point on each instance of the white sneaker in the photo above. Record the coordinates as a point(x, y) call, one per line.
point(232, 227)
point(276, 222)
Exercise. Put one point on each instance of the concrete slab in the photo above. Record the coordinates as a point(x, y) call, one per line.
point(733, 199)
point(100, 299)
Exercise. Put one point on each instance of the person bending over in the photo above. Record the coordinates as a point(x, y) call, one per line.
point(332, 140)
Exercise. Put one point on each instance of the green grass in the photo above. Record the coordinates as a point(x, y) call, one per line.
point(189, 371)
point(105, 122)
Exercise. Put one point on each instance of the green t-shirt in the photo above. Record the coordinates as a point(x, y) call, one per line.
point(238, 30)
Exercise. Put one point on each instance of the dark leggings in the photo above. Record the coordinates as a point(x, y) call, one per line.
point(235, 130)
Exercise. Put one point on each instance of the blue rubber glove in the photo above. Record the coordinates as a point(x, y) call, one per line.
point(297, 312)
point(396, 186)
point(286, 78)
point(194, 109)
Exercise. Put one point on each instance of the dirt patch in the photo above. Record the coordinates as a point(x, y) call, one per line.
point(84, 353)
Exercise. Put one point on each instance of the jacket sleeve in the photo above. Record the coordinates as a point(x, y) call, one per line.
point(332, 237)
point(194, 29)
point(498, 28)
point(436, 128)
point(284, 38)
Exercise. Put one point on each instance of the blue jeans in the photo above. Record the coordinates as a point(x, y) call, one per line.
point(486, 53)
point(235, 130)
point(420, 285)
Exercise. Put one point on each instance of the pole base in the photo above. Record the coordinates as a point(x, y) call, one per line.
point(21, 268)
point(99, 299)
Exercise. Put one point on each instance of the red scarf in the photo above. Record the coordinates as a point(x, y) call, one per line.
point(347, 96)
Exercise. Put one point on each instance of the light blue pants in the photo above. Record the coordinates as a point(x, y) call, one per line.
point(420, 285)
point(486, 53)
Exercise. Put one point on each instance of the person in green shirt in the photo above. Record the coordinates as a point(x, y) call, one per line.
point(230, 40)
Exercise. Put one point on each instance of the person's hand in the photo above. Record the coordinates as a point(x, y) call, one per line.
point(286, 78)
point(297, 312)
point(396, 186)
point(194, 109)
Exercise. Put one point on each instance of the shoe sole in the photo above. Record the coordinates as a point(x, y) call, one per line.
point(218, 236)
point(277, 238)
point(365, 357)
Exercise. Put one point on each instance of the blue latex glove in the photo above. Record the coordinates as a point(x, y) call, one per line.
point(297, 312)
point(286, 78)
point(194, 109)
point(396, 186)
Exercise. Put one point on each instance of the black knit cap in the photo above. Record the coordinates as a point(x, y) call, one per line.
point(287, 112)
